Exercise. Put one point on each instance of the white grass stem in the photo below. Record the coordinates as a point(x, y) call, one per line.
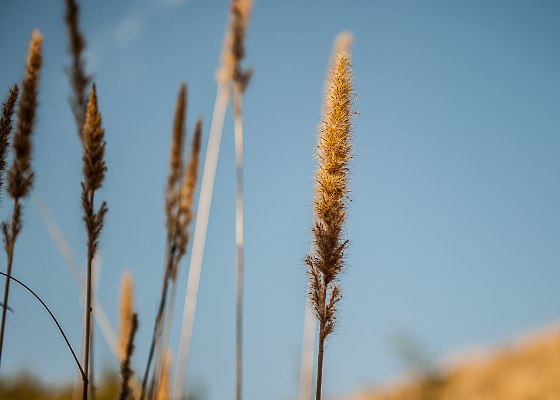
point(307, 355)
point(199, 238)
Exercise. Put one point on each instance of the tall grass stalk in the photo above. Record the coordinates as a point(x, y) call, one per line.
point(184, 219)
point(94, 173)
point(199, 238)
point(20, 175)
point(342, 43)
point(172, 199)
point(228, 73)
point(334, 152)
point(240, 13)
point(179, 200)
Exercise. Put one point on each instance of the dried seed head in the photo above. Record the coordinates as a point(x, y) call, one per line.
point(20, 176)
point(188, 188)
point(78, 77)
point(234, 46)
point(175, 162)
point(126, 306)
point(94, 146)
point(6, 127)
point(334, 152)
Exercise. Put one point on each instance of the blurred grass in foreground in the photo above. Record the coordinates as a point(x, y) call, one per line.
point(527, 370)
point(25, 386)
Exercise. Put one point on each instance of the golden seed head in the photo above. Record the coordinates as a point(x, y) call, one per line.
point(334, 152)
point(126, 307)
point(20, 176)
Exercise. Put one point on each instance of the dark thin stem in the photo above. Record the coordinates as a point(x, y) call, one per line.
point(84, 378)
point(159, 317)
point(88, 304)
point(10, 249)
point(320, 362)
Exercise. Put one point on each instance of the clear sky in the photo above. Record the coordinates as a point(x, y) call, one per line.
point(455, 219)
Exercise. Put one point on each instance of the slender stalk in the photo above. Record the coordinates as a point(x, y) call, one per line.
point(239, 239)
point(320, 354)
point(10, 253)
point(127, 374)
point(199, 238)
point(11, 278)
point(88, 305)
point(307, 352)
point(94, 173)
point(157, 330)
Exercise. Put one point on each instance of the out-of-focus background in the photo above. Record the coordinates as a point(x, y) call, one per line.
point(455, 219)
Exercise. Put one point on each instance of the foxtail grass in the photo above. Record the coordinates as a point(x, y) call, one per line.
point(20, 176)
point(125, 392)
point(94, 173)
point(79, 79)
point(342, 43)
point(330, 202)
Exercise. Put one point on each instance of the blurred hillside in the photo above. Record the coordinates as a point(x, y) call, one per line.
point(526, 370)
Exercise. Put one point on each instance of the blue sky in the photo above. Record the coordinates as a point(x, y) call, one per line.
point(455, 219)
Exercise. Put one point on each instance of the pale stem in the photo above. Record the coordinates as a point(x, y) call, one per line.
point(238, 125)
point(199, 238)
point(307, 354)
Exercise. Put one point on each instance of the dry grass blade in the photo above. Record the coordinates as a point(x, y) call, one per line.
point(78, 77)
point(334, 152)
point(20, 175)
point(6, 127)
point(125, 392)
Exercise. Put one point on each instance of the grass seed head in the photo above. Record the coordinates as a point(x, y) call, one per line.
point(20, 176)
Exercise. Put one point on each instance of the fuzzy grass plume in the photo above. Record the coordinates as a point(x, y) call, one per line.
point(334, 152)
point(20, 176)
point(94, 173)
point(79, 79)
